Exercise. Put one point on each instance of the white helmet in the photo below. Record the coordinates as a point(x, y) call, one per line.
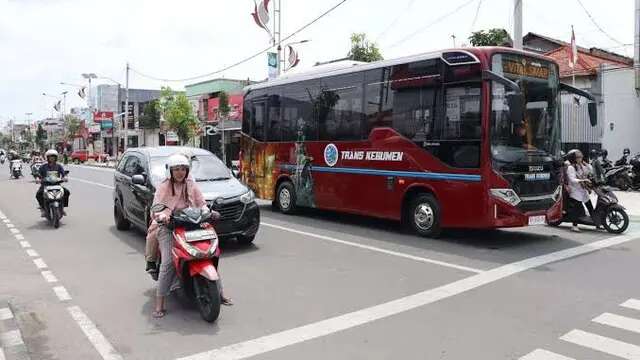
point(51, 152)
point(178, 160)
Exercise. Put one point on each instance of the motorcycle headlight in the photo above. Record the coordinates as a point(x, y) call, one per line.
point(248, 197)
point(507, 195)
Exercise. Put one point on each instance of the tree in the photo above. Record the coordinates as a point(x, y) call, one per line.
point(491, 37)
point(363, 50)
point(178, 113)
point(41, 137)
point(71, 126)
point(150, 118)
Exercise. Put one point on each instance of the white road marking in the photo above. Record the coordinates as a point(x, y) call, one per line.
point(62, 293)
point(10, 225)
point(32, 253)
point(40, 264)
point(48, 276)
point(19, 236)
point(621, 322)
point(5, 220)
point(92, 183)
point(603, 344)
point(99, 341)
point(631, 304)
point(5, 314)
point(11, 338)
point(2, 357)
point(541, 354)
point(25, 244)
point(373, 248)
point(14, 231)
point(329, 326)
point(105, 169)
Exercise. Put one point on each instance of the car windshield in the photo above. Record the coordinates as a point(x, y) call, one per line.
point(538, 133)
point(203, 168)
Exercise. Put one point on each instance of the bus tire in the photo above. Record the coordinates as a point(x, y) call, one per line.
point(423, 215)
point(286, 198)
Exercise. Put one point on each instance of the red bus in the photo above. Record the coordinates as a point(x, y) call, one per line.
point(463, 138)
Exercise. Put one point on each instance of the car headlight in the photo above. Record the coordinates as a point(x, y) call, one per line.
point(507, 195)
point(248, 197)
point(557, 194)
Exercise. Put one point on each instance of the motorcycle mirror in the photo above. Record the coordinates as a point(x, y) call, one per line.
point(66, 172)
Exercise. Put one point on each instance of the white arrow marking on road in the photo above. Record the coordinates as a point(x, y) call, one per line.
point(329, 326)
point(49, 277)
point(99, 341)
point(19, 236)
point(62, 293)
point(5, 314)
point(541, 354)
point(603, 344)
point(631, 304)
point(32, 253)
point(621, 322)
point(40, 264)
point(25, 244)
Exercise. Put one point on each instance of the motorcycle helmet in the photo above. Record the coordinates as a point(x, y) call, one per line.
point(51, 152)
point(176, 160)
point(626, 151)
point(604, 153)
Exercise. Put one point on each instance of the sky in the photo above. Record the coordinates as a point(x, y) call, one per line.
point(45, 42)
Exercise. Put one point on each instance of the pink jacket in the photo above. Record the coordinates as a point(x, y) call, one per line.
point(163, 196)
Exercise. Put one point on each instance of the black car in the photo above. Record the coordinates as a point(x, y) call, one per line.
point(141, 170)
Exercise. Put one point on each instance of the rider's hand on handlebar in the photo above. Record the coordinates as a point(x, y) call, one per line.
point(162, 218)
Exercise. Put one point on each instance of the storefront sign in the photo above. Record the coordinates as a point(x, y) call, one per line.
point(99, 116)
point(172, 136)
point(106, 124)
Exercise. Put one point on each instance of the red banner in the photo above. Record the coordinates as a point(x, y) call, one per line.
point(102, 116)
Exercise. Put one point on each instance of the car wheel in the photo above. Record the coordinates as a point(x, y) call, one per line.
point(121, 221)
point(423, 216)
point(286, 198)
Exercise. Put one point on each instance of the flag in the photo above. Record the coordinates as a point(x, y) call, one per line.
point(82, 93)
point(573, 59)
point(293, 57)
point(261, 15)
point(57, 106)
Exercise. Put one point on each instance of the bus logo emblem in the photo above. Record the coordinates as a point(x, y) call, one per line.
point(331, 154)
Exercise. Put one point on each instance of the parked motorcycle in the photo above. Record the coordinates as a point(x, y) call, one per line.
point(53, 199)
point(35, 169)
point(16, 168)
point(619, 177)
point(195, 256)
point(607, 212)
point(635, 172)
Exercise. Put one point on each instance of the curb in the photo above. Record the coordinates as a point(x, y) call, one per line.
point(12, 346)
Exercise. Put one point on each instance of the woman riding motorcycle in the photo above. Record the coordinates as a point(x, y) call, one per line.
point(577, 180)
point(176, 192)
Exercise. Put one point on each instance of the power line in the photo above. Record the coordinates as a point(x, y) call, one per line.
point(596, 24)
point(456, 10)
point(384, 32)
point(247, 58)
point(475, 18)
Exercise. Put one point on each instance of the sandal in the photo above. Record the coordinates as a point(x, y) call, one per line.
point(159, 314)
point(226, 301)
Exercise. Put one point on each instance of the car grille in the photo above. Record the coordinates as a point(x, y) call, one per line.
point(230, 211)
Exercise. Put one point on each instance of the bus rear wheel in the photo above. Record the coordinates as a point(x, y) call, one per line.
point(286, 198)
point(423, 216)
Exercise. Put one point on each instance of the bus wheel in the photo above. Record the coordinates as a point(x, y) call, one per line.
point(423, 215)
point(286, 198)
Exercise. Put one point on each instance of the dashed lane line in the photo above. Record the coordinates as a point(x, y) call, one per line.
point(14, 231)
point(61, 293)
point(25, 244)
point(19, 236)
point(40, 264)
point(99, 341)
point(92, 183)
point(373, 248)
point(336, 324)
point(32, 253)
point(48, 276)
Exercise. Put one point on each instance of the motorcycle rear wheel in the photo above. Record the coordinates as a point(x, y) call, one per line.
point(207, 298)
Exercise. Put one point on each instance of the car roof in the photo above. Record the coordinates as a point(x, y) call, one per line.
point(165, 151)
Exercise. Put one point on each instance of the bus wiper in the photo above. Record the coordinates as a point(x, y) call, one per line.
point(214, 179)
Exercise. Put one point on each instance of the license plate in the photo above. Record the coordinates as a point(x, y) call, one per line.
point(537, 220)
point(537, 176)
point(200, 235)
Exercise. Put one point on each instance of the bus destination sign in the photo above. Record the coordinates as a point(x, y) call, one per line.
point(525, 67)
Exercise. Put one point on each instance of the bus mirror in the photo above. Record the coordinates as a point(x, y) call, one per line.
point(516, 108)
point(593, 113)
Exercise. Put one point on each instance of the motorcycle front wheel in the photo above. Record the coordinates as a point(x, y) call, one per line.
point(616, 220)
point(207, 298)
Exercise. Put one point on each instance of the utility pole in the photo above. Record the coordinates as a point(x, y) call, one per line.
point(636, 45)
point(126, 110)
point(453, 37)
point(277, 32)
point(64, 125)
point(517, 24)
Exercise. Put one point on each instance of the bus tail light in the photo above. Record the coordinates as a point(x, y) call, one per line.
point(507, 195)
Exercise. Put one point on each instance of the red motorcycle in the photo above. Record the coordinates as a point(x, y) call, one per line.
point(195, 257)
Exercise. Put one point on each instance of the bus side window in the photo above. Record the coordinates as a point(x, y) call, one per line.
point(274, 127)
point(259, 114)
point(378, 97)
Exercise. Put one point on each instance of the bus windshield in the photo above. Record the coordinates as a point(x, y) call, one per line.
point(538, 134)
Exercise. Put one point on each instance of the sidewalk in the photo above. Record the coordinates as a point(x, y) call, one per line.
point(631, 201)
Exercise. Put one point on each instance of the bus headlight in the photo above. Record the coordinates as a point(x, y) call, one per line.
point(557, 194)
point(248, 197)
point(507, 195)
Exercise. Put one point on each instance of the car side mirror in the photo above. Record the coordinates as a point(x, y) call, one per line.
point(138, 180)
point(593, 113)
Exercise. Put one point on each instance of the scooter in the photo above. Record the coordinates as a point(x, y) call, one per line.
point(53, 196)
point(196, 255)
point(16, 168)
point(635, 172)
point(618, 176)
point(607, 212)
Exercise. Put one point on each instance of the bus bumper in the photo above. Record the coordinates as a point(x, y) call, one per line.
point(506, 215)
